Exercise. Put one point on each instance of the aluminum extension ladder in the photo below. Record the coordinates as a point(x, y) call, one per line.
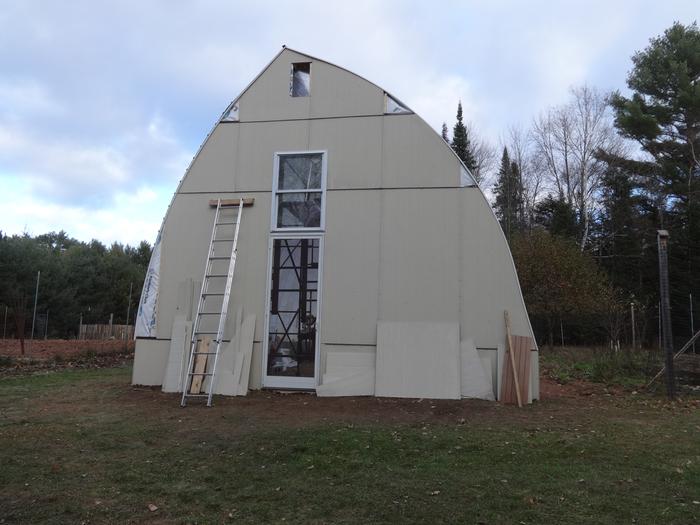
point(198, 369)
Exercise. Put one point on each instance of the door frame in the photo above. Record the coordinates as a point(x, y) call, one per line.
point(286, 382)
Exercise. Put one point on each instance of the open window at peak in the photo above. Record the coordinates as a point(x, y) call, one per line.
point(300, 81)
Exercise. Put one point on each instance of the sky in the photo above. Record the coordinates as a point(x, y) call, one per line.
point(103, 104)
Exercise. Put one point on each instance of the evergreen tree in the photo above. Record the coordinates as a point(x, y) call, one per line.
point(445, 135)
point(508, 193)
point(557, 216)
point(460, 142)
point(663, 116)
point(626, 235)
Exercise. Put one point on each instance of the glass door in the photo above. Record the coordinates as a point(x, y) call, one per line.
point(292, 317)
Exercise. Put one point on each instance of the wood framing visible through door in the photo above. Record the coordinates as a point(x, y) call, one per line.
point(292, 321)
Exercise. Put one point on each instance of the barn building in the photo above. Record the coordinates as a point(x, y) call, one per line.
point(368, 260)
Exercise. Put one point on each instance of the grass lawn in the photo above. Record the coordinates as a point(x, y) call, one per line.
point(83, 446)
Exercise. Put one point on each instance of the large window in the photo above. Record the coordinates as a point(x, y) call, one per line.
point(299, 191)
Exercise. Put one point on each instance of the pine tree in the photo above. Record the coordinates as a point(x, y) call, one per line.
point(460, 142)
point(663, 116)
point(508, 192)
point(445, 136)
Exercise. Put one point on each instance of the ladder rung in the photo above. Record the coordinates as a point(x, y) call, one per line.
point(217, 275)
point(223, 223)
point(209, 313)
point(196, 395)
point(200, 374)
point(204, 353)
point(222, 240)
point(206, 333)
point(219, 257)
point(212, 293)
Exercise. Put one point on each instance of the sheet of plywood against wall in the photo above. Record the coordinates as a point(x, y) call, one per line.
point(418, 359)
point(521, 353)
point(200, 365)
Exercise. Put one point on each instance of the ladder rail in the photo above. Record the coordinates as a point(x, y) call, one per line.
point(203, 290)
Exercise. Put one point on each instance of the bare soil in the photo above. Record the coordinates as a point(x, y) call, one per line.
point(50, 348)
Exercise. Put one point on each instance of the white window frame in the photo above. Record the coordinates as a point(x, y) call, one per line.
point(276, 191)
point(298, 383)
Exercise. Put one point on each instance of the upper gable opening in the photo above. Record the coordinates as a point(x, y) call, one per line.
point(393, 106)
point(300, 79)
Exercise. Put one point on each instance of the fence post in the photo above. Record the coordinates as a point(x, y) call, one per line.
point(36, 297)
point(667, 339)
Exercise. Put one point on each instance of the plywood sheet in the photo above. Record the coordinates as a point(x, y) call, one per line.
point(521, 351)
point(246, 351)
point(200, 366)
point(348, 373)
point(476, 379)
point(178, 355)
point(357, 384)
point(418, 359)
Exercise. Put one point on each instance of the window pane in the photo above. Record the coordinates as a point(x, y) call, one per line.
point(301, 79)
point(300, 172)
point(299, 210)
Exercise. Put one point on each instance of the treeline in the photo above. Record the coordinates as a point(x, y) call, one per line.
point(78, 280)
point(581, 193)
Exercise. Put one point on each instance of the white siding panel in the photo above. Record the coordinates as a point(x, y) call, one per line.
point(419, 276)
point(351, 268)
point(214, 168)
point(416, 156)
point(354, 148)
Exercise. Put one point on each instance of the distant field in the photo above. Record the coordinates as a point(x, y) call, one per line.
point(83, 446)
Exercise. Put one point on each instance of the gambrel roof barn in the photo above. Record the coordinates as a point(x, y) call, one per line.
point(367, 260)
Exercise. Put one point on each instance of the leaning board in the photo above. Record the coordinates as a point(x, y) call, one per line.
point(522, 349)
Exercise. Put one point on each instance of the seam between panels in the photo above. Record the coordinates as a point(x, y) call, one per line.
point(380, 230)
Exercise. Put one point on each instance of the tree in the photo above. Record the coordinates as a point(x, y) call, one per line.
point(530, 174)
point(567, 139)
point(557, 216)
point(663, 117)
point(444, 133)
point(559, 283)
point(461, 144)
point(76, 278)
point(484, 155)
point(508, 195)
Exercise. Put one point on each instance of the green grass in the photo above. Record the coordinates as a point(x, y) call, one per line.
point(82, 446)
point(622, 368)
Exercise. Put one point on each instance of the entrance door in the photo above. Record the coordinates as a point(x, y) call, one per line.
point(291, 356)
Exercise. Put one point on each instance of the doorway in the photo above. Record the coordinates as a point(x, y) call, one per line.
point(292, 324)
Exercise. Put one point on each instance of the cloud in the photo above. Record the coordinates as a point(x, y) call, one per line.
point(103, 103)
point(26, 97)
point(86, 175)
point(135, 216)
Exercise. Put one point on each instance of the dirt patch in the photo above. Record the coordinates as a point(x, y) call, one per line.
point(56, 354)
point(269, 409)
point(551, 389)
point(50, 348)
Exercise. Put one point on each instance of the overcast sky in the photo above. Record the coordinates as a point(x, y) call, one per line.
point(103, 104)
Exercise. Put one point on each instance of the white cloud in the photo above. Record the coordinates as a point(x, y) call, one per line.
point(103, 103)
point(26, 97)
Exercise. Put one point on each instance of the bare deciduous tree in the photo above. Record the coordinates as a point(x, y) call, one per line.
point(484, 157)
point(520, 147)
point(566, 139)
